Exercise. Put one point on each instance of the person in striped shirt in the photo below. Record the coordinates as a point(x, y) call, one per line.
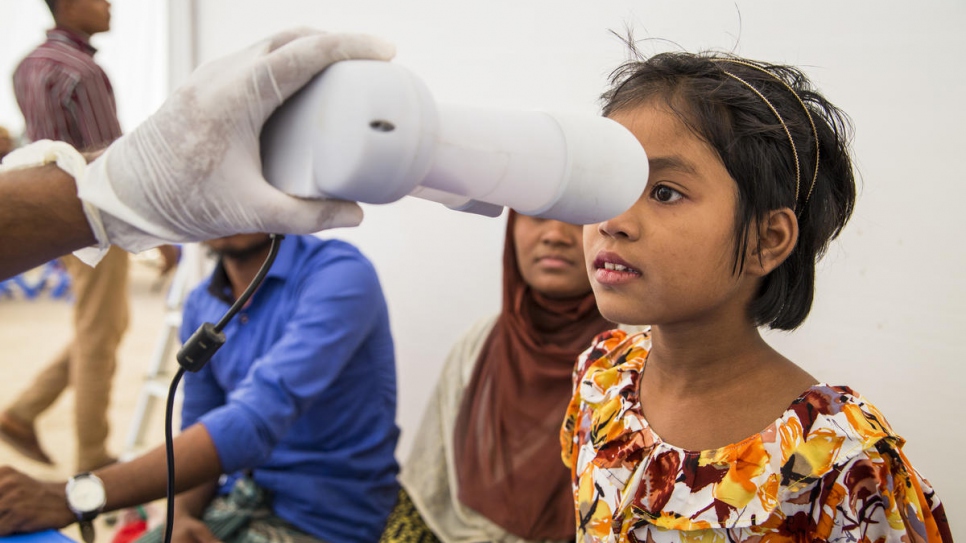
point(65, 96)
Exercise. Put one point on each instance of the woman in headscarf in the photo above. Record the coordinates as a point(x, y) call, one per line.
point(485, 464)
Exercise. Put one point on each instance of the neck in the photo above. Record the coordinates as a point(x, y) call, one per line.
point(692, 358)
point(242, 270)
point(706, 388)
point(73, 28)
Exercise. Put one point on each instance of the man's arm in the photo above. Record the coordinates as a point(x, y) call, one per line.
point(199, 152)
point(28, 505)
point(193, 503)
point(41, 218)
point(144, 479)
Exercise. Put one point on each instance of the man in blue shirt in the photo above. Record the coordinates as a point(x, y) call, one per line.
point(302, 397)
point(44, 214)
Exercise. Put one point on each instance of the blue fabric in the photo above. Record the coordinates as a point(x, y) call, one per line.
point(303, 393)
point(45, 536)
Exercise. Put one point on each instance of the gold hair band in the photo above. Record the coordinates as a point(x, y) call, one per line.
point(808, 114)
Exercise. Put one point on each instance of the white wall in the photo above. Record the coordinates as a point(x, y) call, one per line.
point(889, 313)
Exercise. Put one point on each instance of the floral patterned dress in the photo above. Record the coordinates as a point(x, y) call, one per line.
point(830, 469)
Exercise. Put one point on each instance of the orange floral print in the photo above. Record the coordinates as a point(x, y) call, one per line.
point(830, 468)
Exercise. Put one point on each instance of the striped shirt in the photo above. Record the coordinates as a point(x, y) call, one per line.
point(64, 95)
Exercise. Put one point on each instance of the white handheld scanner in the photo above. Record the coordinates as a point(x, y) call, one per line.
point(370, 131)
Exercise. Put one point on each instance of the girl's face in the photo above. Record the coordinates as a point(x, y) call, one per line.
point(669, 258)
point(550, 256)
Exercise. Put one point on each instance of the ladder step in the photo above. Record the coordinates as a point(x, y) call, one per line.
point(191, 269)
point(157, 389)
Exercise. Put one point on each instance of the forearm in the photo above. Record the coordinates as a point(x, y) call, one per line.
point(144, 479)
point(41, 218)
point(193, 502)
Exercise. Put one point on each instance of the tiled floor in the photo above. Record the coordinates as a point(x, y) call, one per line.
point(31, 331)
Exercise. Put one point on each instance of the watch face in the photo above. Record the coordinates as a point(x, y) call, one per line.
point(86, 494)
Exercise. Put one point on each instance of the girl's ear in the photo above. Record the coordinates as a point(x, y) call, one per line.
point(777, 236)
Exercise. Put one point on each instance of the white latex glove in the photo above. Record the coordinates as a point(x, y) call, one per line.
point(192, 171)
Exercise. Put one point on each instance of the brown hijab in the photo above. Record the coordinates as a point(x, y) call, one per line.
point(506, 441)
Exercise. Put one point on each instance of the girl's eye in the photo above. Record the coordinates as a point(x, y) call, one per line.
point(665, 194)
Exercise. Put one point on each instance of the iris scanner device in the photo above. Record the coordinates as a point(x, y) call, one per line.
point(370, 131)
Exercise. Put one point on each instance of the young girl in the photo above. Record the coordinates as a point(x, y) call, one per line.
point(697, 429)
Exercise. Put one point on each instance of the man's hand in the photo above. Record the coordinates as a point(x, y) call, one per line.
point(28, 505)
point(188, 529)
point(192, 171)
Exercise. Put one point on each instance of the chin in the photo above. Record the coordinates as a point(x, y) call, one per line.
point(617, 309)
point(558, 290)
point(622, 315)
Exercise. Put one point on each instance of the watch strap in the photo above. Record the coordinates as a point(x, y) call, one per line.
point(86, 530)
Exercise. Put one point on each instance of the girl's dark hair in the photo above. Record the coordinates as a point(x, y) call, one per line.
point(52, 4)
point(754, 147)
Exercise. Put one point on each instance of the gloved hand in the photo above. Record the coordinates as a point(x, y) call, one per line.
point(192, 170)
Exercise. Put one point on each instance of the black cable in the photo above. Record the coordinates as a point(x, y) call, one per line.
point(259, 277)
point(193, 356)
point(169, 453)
point(208, 338)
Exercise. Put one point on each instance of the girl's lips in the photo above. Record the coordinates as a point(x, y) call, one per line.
point(610, 269)
point(610, 261)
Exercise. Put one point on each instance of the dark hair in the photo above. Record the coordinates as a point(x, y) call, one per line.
point(751, 142)
point(52, 5)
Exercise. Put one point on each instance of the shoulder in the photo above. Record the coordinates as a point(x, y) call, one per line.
point(604, 392)
point(870, 480)
point(477, 333)
point(54, 60)
point(608, 370)
point(331, 270)
point(328, 250)
point(612, 349)
point(465, 351)
point(606, 374)
point(840, 413)
point(331, 258)
point(826, 432)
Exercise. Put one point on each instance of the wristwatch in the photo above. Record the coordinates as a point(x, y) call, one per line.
point(86, 498)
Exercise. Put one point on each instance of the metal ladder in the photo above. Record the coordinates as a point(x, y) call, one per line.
point(157, 380)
